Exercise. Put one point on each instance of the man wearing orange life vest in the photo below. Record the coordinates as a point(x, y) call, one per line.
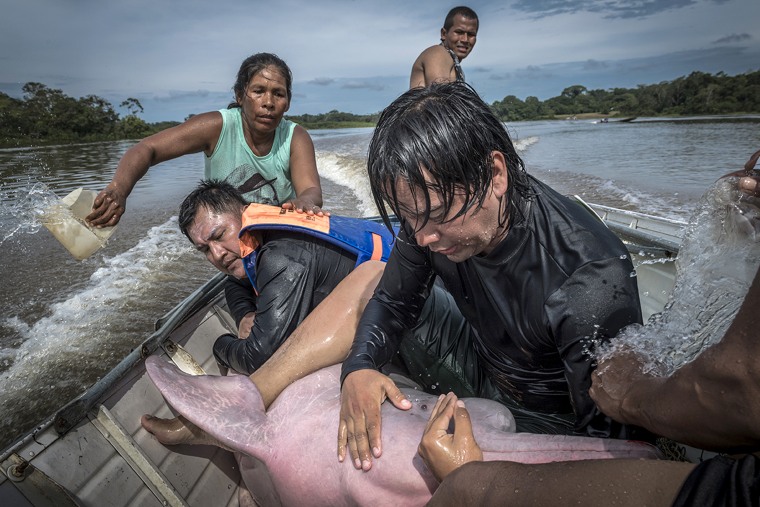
point(294, 260)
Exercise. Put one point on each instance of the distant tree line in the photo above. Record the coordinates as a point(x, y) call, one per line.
point(335, 119)
point(696, 94)
point(48, 115)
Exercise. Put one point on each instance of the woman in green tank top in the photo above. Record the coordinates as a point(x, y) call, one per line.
point(269, 159)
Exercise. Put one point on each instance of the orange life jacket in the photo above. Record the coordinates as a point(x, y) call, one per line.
point(366, 239)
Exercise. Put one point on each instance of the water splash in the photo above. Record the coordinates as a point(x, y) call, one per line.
point(84, 335)
point(350, 172)
point(524, 143)
point(23, 209)
point(716, 264)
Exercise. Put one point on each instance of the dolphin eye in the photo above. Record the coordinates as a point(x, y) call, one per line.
point(423, 406)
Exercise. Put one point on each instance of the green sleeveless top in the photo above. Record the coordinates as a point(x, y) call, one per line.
point(264, 179)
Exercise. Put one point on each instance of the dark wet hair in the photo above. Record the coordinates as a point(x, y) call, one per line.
point(447, 129)
point(215, 195)
point(463, 11)
point(255, 64)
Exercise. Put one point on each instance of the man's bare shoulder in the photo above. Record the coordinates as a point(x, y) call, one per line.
point(433, 52)
point(433, 64)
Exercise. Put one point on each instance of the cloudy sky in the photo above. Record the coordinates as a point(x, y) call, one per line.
point(179, 57)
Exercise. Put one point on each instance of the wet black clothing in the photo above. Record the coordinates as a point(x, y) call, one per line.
point(294, 273)
point(439, 356)
point(558, 280)
point(722, 482)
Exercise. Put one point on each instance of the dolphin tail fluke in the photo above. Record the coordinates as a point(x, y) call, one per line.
point(229, 408)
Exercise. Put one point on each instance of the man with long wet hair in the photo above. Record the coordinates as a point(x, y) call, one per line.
point(536, 277)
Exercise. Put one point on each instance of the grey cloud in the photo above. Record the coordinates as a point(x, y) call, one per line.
point(592, 64)
point(363, 85)
point(181, 95)
point(734, 37)
point(543, 8)
point(529, 72)
point(608, 8)
point(534, 72)
point(322, 81)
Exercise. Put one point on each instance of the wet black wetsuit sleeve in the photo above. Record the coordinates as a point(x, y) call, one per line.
point(593, 305)
point(394, 307)
point(722, 481)
point(240, 296)
point(293, 275)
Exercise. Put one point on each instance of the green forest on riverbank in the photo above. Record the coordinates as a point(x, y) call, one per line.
point(699, 93)
point(47, 115)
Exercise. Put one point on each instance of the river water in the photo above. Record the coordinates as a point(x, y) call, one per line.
point(65, 323)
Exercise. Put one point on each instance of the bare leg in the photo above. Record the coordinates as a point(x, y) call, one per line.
point(325, 335)
point(621, 482)
point(322, 339)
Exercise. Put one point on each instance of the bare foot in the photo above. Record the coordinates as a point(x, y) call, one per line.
point(176, 431)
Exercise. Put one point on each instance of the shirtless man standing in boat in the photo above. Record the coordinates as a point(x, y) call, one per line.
point(442, 61)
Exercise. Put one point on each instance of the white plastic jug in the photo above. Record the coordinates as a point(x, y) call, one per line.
point(66, 221)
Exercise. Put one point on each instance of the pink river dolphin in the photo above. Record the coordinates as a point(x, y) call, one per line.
point(297, 437)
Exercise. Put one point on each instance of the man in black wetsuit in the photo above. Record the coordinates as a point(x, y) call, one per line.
point(442, 62)
point(294, 273)
point(536, 278)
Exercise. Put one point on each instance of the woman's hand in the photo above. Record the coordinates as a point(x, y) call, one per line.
point(444, 452)
point(109, 206)
point(305, 205)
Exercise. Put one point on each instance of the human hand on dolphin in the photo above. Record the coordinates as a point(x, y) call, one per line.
point(444, 452)
point(362, 394)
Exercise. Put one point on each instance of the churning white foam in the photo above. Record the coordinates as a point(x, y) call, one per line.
point(83, 322)
point(350, 172)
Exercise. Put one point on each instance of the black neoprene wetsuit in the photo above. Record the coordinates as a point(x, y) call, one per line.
point(722, 482)
point(558, 280)
point(294, 273)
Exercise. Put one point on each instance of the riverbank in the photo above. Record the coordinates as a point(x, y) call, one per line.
point(20, 143)
point(336, 125)
point(616, 115)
